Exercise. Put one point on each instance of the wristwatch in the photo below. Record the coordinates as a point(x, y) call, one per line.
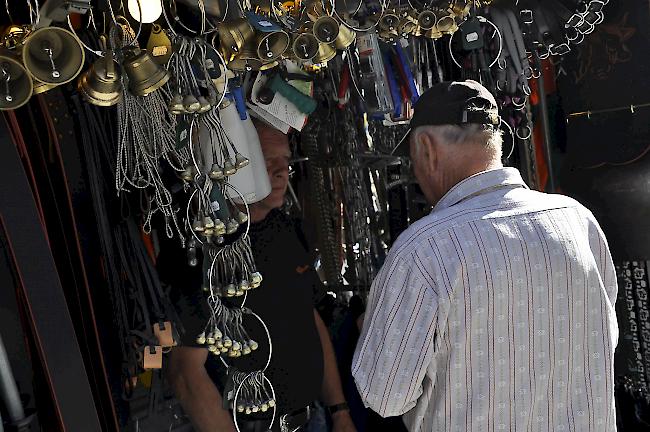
point(338, 407)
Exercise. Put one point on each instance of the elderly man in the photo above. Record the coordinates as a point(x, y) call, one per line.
point(496, 311)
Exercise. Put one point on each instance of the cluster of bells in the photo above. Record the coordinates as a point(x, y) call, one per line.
point(209, 227)
point(253, 396)
point(316, 42)
point(219, 344)
point(33, 61)
point(432, 24)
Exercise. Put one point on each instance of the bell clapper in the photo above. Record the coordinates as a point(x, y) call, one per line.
point(6, 74)
point(50, 54)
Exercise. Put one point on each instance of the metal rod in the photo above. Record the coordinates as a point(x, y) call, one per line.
point(590, 113)
point(546, 127)
point(8, 390)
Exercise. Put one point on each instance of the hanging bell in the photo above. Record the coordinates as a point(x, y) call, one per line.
point(345, 38)
point(326, 29)
point(241, 161)
point(271, 46)
point(447, 24)
point(246, 60)
point(16, 85)
point(53, 55)
point(216, 172)
point(228, 168)
point(197, 225)
point(388, 22)
point(234, 35)
point(256, 279)
point(232, 226)
point(326, 52)
point(407, 26)
point(176, 106)
point(191, 104)
point(145, 76)
point(219, 227)
point(427, 20)
point(188, 173)
point(102, 84)
point(305, 46)
point(205, 104)
point(242, 217)
point(389, 36)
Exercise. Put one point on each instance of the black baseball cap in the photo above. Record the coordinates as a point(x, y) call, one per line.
point(453, 103)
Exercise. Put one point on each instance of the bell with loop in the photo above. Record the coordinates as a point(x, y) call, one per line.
point(407, 25)
point(427, 20)
point(53, 55)
point(246, 60)
point(232, 226)
point(241, 161)
point(145, 76)
point(388, 22)
point(191, 104)
point(242, 217)
point(176, 106)
point(16, 85)
point(345, 37)
point(234, 35)
point(219, 227)
point(101, 85)
point(326, 29)
point(326, 52)
point(272, 45)
point(256, 279)
point(305, 46)
point(389, 36)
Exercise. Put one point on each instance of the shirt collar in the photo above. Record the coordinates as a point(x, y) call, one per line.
point(480, 183)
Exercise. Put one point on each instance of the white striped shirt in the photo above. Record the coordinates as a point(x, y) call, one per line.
point(495, 312)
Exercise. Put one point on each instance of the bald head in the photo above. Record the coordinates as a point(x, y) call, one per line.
point(444, 155)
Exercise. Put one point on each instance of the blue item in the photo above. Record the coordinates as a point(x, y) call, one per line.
point(237, 94)
point(394, 89)
point(410, 81)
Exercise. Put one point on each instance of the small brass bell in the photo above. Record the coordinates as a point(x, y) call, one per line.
point(271, 46)
point(200, 339)
point(228, 168)
point(388, 22)
point(234, 35)
point(216, 172)
point(326, 29)
point(205, 105)
point(389, 36)
point(176, 106)
point(326, 52)
point(231, 290)
point(53, 55)
point(219, 227)
point(197, 225)
point(427, 20)
point(254, 345)
point(145, 76)
point(256, 279)
point(345, 38)
point(191, 104)
point(208, 223)
point(16, 85)
point(102, 84)
point(241, 161)
point(232, 226)
point(242, 218)
point(407, 26)
point(188, 173)
point(447, 24)
point(305, 46)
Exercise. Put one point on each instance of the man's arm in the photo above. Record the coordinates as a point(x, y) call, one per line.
point(397, 342)
point(332, 392)
point(195, 390)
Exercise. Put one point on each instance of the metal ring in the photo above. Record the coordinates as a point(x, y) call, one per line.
point(529, 132)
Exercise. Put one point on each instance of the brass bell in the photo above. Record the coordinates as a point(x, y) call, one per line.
point(241, 161)
point(407, 25)
point(345, 38)
point(427, 20)
point(176, 106)
point(271, 46)
point(205, 104)
point(145, 76)
point(326, 29)
point(305, 46)
point(216, 172)
point(234, 35)
point(16, 85)
point(102, 84)
point(228, 168)
point(53, 55)
point(326, 52)
point(447, 24)
point(388, 22)
point(245, 60)
point(191, 104)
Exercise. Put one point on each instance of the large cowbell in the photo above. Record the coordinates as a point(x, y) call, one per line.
point(251, 181)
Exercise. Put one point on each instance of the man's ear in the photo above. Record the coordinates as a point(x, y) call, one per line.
point(428, 151)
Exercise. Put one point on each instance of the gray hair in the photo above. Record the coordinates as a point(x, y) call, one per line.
point(490, 137)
